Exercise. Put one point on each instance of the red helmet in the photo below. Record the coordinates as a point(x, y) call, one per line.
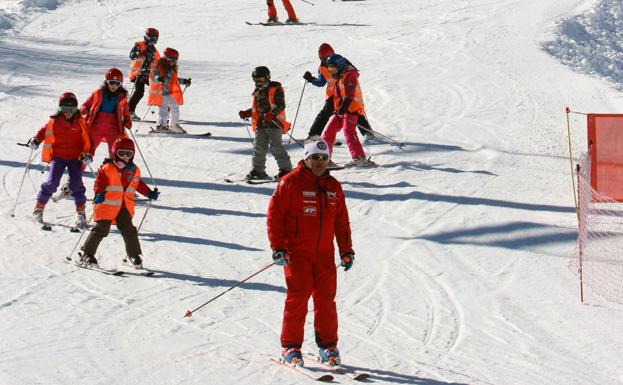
point(324, 51)
point(152, 34)
point(68, 99)
point(122, 143)
point(172, 53)
point(114, 74)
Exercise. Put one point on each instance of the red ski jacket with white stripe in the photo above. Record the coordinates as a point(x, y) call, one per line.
point(306, 213)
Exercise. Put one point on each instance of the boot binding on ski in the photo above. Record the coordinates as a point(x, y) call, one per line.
point(330, 356)
point(292, 356)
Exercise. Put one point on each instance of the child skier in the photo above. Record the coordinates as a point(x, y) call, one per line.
point(348, 106)
point(269, 124)
point(107, 115)
point(165, 92)
point(144, 56)
point(118, 178)
point(66, 144)
point(107, 112)
point(325, 77)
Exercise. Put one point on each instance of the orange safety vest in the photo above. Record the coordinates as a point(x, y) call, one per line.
point(47, 154)
point(95, 107)
point(154, 94)
point(330, 81)
point(137, 64)
point(356, 106)
point(115, 196)
point(255, 117)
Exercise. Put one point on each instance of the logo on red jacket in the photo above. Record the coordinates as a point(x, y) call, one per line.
point(309, 210)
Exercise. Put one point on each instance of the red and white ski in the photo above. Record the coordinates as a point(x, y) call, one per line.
point(357, 376)
point(324, 377)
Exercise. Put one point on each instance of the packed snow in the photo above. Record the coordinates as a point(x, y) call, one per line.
point(463, 239)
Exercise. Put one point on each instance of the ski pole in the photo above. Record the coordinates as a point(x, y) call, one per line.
point(297, 110)
point(288, 132)
point(246, 125)
point(376, 133)
point(81, 235)
point(140, 123)
point(19, 191)
point(138, 229)
point(153, 181)
point(189, 313)
point(308, 2)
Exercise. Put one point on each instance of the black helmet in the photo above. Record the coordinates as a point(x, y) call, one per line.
point(261, 71)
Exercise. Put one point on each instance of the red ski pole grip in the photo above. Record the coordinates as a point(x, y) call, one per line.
point(188, 314)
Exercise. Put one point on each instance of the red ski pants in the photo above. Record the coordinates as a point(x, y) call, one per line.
point(316, 278)
point(98, 137)
point(272, 11)
point(348, 123)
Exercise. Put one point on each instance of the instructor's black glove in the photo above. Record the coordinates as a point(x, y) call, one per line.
point(347, 260)
point(280, 257)
point(308, 76)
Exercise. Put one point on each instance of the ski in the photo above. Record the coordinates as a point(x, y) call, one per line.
point(335, 167)
point(305, 371)
point(357, 376)
point(138, 270)
point(249, 181)
point(152, 130)
point(116, 273)
point(275, 24)
point(262, 181)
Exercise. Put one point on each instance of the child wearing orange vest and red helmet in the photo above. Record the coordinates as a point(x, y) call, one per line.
point(118, 178)
point(107, 112)
point(165, 92)
point(66, 145)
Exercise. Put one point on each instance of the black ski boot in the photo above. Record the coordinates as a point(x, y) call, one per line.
point(254, 174)
point(134, 261)
point(85, 259)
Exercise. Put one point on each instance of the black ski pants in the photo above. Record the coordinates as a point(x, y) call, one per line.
point(323, 117)
point(139, 91)
point(125, 227)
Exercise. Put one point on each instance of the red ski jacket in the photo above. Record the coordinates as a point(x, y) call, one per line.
point(120, 120)
point(306, 213)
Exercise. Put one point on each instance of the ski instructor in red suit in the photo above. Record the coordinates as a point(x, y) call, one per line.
point(306, 212)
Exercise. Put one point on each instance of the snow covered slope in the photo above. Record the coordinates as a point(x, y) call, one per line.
point(462, 239)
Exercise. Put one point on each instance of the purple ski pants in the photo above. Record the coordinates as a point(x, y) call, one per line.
point(57, 167)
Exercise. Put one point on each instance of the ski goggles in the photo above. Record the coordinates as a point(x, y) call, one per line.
point(115, 83)
point(317, 157)
point(68, 109)
point(124, 153)
point(152, 39)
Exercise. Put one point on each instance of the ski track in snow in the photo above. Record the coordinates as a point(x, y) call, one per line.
point(455, 280)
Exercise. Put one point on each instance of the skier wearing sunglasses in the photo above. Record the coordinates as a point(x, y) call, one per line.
point(118, 178)
point(107, 112)
point(306, 213)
